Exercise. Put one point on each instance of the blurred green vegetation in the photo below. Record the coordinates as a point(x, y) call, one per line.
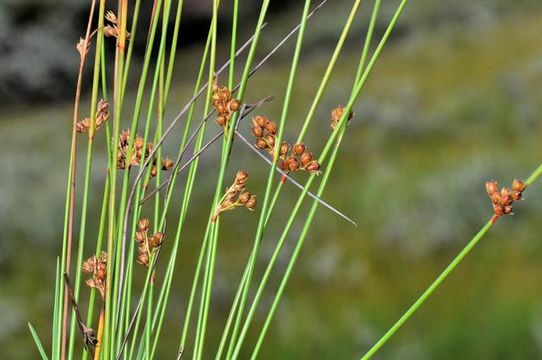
point(447, 108)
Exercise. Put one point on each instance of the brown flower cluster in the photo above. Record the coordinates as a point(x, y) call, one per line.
point(236, 196)
point(336, 115)
point(503, 199)
point(292, 158)
point(102, 114)
point(224, 104)
point(139, 152)
point(112, 30)
point(146, 244)
point(97, 266)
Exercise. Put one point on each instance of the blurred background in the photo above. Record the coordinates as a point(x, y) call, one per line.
point(454, 100)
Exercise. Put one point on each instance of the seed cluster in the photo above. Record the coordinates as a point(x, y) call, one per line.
point(140, 151)
point(146, 244)
point(503, 199)
point(97, 266)
point(336, 115)
point(236, 196)
point(224, 104)
point(102, 114)
point(112, 30)
point(292, 158)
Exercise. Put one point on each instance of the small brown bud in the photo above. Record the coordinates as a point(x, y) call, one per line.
point(220, 108)
point(234, 105)
point(143, 258)
point(313, 166)
point(257, 131)
point(110, 31)
point(270, 140)
point(167, 164)
point(154, 171)
point(143, 224)
point(140, 236)
point(293, 164)
point(157, 239)
point(261, 143)
point(244, 197)
point(251, 203)
point(224, 94)
point(284, 147)
point(260, 120)
point(492, 187)
point(298, 149)
point(241, 177)
point(306, 158)
point(271, 127)
point(221, 120)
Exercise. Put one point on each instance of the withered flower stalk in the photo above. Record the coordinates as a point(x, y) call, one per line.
point(236, 196)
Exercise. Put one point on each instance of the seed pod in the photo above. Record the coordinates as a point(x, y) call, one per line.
point(271, 127)
point(221, 120)
point(244, 197)
point(313, 166)
point(232, 193)
point(143, 258)
point(251, 203)
point(299, 149)
point(293, 164)
point(154, 171)
point(261, 143)
point(492, 187)
point(260, 120)
point(224, 94)
point(167, 164)
point(241, 177)
point(257, 131)
point(306, 158)
point(143, 224)
point(284, 147)
point(138, 142)
point(101, 274)
point(220, 108)
point(234, 105)
point(157, 239)
point(140, 236)
point(270, 140)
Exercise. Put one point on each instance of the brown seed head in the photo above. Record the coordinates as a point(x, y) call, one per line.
point(143, 224)
point(271, 127)
point(261, 143)
point(241, 177)
point(234, 105)
point(306, 158)
point(293, 164)
point(244, 197)
point(313, 166)
point(251, 203)
point(260, 120)
point(157, 239)
point(492, 187)
point(257, 131)
point(167, 164)
point(298, 149)
point(284, 147)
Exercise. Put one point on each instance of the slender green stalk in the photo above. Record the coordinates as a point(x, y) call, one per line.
point(233, 43)
point(261, 223)
point(88, 168)
point(427, 293)
point(38, 343)
point(440, 279)
point(56, 313)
